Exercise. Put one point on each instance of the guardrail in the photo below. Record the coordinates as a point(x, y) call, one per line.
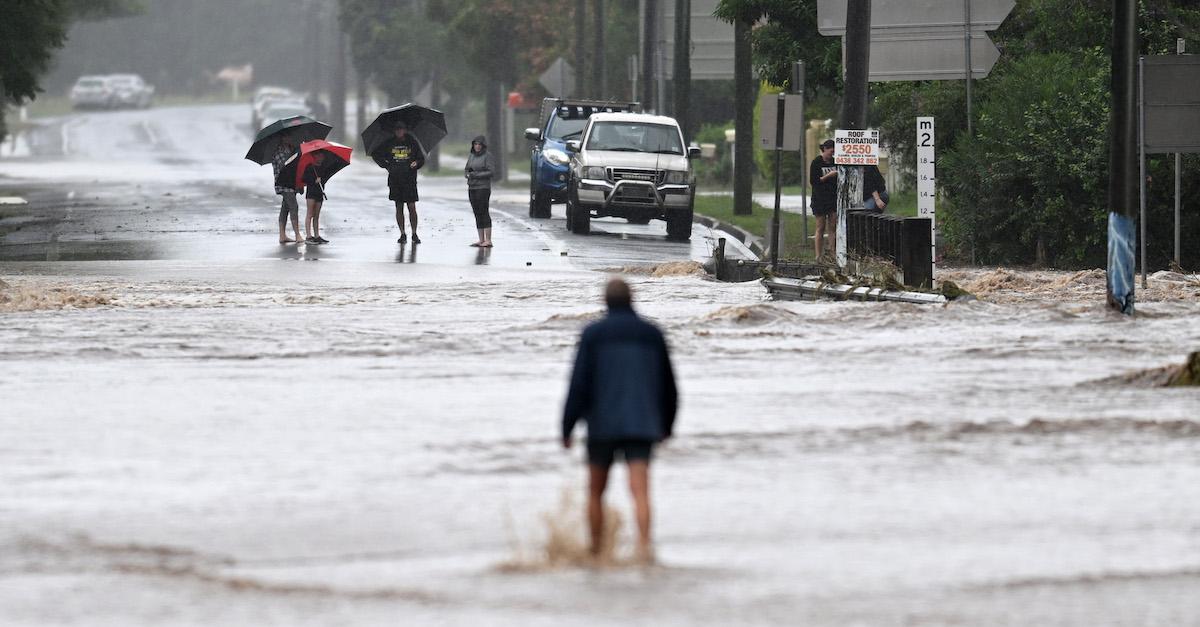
point(904, 242)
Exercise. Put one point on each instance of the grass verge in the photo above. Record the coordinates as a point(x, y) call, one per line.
point(794, 245)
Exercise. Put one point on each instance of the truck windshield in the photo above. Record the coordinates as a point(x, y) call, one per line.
point(565, 128)
point(635, 137)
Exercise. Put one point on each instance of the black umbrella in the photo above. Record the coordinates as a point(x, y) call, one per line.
point(427, 125)
point(299, 128)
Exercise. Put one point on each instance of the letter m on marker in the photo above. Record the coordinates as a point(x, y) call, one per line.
point(925, 124)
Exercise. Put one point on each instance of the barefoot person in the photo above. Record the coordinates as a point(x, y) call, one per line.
point(315, 196)
point(288, 205)
point(623, 387)
point(402, 158)
point(479, 168)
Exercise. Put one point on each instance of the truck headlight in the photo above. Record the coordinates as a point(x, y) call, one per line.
point(676, 177)
point(592, 172)
point(556, 156)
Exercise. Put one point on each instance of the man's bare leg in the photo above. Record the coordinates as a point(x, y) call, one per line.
point(400, 216)
point(639, 485)
point(597, 482)
point(412, 217)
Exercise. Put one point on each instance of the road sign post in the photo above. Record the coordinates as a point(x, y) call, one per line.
point(778, 180)
point(927, 182)
point(781, 127)
point(798, 88)
point(1168, 120)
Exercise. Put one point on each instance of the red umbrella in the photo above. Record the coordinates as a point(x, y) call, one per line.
point(336, 157)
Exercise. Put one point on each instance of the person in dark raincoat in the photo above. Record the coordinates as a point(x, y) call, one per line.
point(480, 166)
point(402, 157)
point(623, 387)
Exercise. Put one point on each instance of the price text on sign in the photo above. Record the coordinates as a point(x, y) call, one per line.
point(856, 147)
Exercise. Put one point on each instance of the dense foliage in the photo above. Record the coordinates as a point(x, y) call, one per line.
point(1031, 186)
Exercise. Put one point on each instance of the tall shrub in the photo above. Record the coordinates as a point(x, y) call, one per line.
point(1030, 187)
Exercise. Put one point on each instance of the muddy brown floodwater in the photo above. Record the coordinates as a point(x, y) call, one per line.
point(358, 439)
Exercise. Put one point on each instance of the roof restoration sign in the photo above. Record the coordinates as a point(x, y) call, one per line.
point(856, 147)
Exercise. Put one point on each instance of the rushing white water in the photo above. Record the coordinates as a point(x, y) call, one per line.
point(355, 448)
point(253, 440)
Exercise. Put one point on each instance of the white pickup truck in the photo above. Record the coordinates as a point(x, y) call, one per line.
point(633, 166)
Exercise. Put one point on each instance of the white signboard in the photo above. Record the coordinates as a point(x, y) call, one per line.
point(793, 126)
point(856, 147)
point(711, 42)
point(927, 181)
point(559, 78)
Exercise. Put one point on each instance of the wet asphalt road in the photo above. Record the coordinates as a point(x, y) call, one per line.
point(172, 183)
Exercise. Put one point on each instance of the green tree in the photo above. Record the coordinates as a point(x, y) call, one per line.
point(1052, 71)
point(1030, 186)
point(786, 33)
point(30, 33)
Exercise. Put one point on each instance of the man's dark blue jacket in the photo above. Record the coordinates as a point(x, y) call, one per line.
point(622, 386)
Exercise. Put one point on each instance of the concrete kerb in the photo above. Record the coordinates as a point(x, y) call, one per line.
point(751, 241)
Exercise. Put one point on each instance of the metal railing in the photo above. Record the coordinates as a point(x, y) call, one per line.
point(905, 242)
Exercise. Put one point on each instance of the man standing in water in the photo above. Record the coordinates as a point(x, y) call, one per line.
point(624, 388)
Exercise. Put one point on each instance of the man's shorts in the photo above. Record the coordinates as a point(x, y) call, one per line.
point(403, 191)
point(602, 452)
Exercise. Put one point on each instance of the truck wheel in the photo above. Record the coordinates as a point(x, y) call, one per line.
point(539, 204)
point(581, 219)
point(679, 225)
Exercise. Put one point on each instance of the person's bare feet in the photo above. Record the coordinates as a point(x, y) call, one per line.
point(486, 245)
point(644, 556)
point(285, 240)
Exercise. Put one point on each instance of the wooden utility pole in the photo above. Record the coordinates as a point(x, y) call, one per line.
point(1123, 185)
point(854, 112)
point(337, 86)
point(682, 72)
point(600, 53)
point(649, 45)
point(581, 76)
point(746, 91)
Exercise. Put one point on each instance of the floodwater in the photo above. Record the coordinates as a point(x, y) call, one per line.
point(250, 439)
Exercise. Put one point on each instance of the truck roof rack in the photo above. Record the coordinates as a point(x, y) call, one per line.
point(576, 108)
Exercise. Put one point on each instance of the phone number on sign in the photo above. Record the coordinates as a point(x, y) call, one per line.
point(852, 160)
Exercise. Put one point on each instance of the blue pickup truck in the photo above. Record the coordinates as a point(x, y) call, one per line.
point(549, 164)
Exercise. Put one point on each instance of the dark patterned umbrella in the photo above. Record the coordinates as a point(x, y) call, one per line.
point(300, 128)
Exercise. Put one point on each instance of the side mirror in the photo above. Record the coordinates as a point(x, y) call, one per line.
point(693, 152)
point(573, 145)
point(533, 134)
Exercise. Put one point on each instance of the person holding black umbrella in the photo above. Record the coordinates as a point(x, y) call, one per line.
point(288, 204)
point(402, 158)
